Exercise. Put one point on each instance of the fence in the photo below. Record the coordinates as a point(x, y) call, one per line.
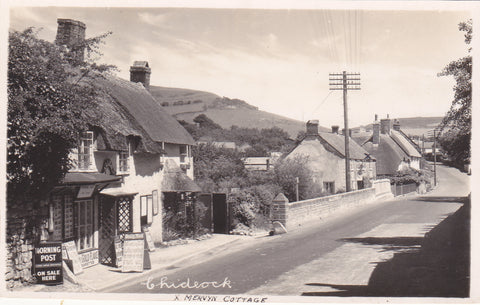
point(402, 189)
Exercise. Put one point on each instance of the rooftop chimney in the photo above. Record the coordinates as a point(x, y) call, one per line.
point(140, 73)
point(385, 125)
point(396, 125)
point(376, 131)
point(71, 33)
point(312, 128)
point(335, 129)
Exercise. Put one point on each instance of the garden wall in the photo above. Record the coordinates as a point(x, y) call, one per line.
point(294, 214)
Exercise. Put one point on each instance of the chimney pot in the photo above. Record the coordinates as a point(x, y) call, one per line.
point(396, 125)
point(312, 128)
point(385, 125)
point(335, 129)
point(71, 33)
point(376, 131)
point(140, 73)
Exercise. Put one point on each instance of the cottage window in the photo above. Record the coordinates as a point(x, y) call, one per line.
point(183, 153)
point(123, 162)
point(329, 187)
point(85, 150)
point(84, 224)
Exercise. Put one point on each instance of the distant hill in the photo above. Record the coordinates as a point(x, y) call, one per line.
point(186, 104)
point(416, 126)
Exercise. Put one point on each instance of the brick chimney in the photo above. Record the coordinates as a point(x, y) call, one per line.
point(335, 129)
point(140, 73)
point(396, 125)
point(312, 128)
point(385, 125)
point(349, 132)
point(376, 131)
point(71, 33)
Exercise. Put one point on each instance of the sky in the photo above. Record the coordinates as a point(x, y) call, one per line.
point(280, 59)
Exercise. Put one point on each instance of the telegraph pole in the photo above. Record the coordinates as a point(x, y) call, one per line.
point(345, 81)
point(434, 158)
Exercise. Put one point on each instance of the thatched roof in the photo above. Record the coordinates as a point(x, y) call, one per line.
point(125, 109)
point(337, 142)
point(174, 180)
point(390, 152)
point(137, 104)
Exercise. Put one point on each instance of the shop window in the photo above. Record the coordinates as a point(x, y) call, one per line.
point(123, 162)
point(329, 187)
point(85, 151)
point(84, 225)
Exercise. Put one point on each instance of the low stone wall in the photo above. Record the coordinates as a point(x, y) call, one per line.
point(382, 188)
point(294, 214)
point(19, 252)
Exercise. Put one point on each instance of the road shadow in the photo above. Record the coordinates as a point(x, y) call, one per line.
point(448, 199)
point(437, 265)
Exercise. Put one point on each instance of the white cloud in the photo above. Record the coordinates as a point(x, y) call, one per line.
point(159, 20)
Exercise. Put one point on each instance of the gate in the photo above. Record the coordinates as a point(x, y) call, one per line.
point(221, 215)
point(115, 219)
point(107, 231)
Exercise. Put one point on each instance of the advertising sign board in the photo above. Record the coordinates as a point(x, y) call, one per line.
point(47, 260)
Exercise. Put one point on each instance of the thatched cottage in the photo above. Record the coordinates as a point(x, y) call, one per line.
point(392, 148)
point(326, 158)
point(133, 161)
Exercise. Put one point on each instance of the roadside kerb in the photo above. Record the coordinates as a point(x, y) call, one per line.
point(155, 269)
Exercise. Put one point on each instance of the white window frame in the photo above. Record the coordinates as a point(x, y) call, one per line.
point(85, 151)
point(183, 155)
point(123, 158)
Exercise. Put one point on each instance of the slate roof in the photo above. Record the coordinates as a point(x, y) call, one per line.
point(149, 118)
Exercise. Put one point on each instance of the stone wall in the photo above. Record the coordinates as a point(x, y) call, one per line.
point(294, 214)
point(19, 249)
point(382, 189)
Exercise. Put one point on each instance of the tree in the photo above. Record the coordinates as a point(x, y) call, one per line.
point(456, 126)
point(48, 94)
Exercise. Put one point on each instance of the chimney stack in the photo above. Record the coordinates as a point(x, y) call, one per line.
point(140, 73)
point(312, 128)
point(335, 129)
point(71, 33)
point(376, 131)
point(396, 125)
point(385, 125)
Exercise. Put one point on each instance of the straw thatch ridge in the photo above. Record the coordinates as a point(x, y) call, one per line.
point(153, 119)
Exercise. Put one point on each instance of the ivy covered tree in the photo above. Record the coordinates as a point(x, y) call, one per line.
point(48, 94)
point(456, 126)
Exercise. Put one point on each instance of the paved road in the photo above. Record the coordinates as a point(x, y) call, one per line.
point(339, 251)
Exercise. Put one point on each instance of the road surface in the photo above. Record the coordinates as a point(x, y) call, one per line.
point(318, 258)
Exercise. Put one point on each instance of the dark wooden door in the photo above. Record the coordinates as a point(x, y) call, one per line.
point(221, 219)
point(205, 216)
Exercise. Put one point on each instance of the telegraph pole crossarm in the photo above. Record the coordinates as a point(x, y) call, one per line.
point(345, 81)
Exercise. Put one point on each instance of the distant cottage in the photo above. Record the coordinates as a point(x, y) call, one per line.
point(326, 158)
point(390, 146)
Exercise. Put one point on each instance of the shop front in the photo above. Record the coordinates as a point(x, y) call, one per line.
point(74, 216)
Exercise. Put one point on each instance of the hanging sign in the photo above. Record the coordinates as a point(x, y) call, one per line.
point(48, 263)
point(72, 257)
point(133, 251)
point(86, 191)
